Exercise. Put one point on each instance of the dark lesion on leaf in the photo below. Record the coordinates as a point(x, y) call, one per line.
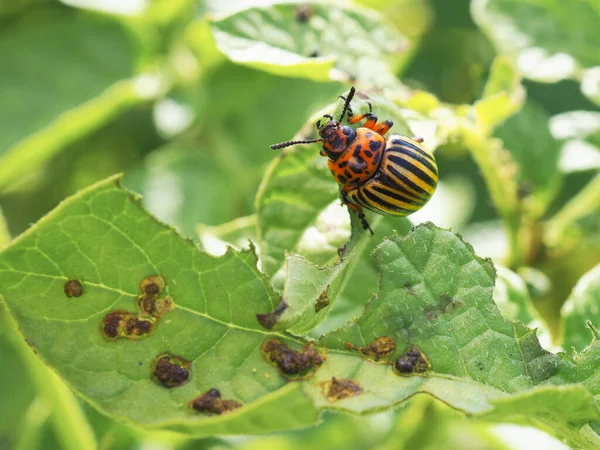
point(380, 348)
point(73, 288)
point(170, 370)
point(293, 363)
point(303, 13)
point(446, 305)
point(339, 389)
point(323, 300)
point(270, 319)
point(124, 324)
point(128, 325)
point(149, 301)
point(211, 403)
point(413, 361)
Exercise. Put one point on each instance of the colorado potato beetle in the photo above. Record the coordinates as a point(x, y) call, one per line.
point(393, 177)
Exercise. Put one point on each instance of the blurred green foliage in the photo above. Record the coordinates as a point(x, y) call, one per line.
point(185, 97)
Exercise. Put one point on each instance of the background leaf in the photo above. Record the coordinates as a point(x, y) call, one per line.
point(303, 40)
point(53, 105)
point(581, 307)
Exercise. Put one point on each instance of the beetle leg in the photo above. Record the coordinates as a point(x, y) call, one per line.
point(417, 139)
point(356, 208)
point(384, 127)
point(370, 123)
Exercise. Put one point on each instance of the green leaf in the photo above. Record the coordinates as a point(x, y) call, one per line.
point(502, 97)
point(580, 308)
point(75, 75)
point(550, 40)
point(102, 239)
point(527, 136)
point(512, 297)
point(304, 39)
point(99, 253)
point(436, 295)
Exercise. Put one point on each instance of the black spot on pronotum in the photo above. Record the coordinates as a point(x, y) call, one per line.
point(339, 389)
point(368, 154)
point(375, 145)
point(73, 288)
point(292, 362)
point(270, 319)
point(412, 361)
point(211, 403)
point(170, 371)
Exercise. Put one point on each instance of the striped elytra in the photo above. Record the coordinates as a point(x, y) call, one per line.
point(394, 177)
point(404, 182)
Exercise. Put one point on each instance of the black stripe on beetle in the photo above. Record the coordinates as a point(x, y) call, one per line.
point(406, 164)
point(405, 180)
point(397, 196)
point(384, 204)
point(416, 156)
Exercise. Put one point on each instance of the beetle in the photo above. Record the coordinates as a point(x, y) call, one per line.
point(395, 176)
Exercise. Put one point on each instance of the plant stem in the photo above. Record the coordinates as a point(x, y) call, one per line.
point(585, 202)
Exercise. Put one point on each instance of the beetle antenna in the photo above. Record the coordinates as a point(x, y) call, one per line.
point(347, 103)
point(288, 143)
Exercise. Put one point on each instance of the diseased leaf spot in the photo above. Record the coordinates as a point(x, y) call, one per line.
point(124, 324)
point(270, 319)
point(413, 361)
point(339, 389)
point(148, 302)
point(292, 362)
point(211, 403)
point(170, 371)
point(152, 285)
point(323, 300)
point(303, 13)
point(73, 288)
point(380, 348)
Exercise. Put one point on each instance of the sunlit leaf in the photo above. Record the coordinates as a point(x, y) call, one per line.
point(304, 39)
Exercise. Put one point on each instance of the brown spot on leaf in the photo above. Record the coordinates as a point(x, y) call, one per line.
point(339, 389)
point(323, 300)
point(413, 361)
point(270, 319)
point(380, 348)
point(73, 288)
point(303, 13)
point(152, 285)
point(124, 324)
point(292, 362)
point(211, 403)
point(170, 371)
